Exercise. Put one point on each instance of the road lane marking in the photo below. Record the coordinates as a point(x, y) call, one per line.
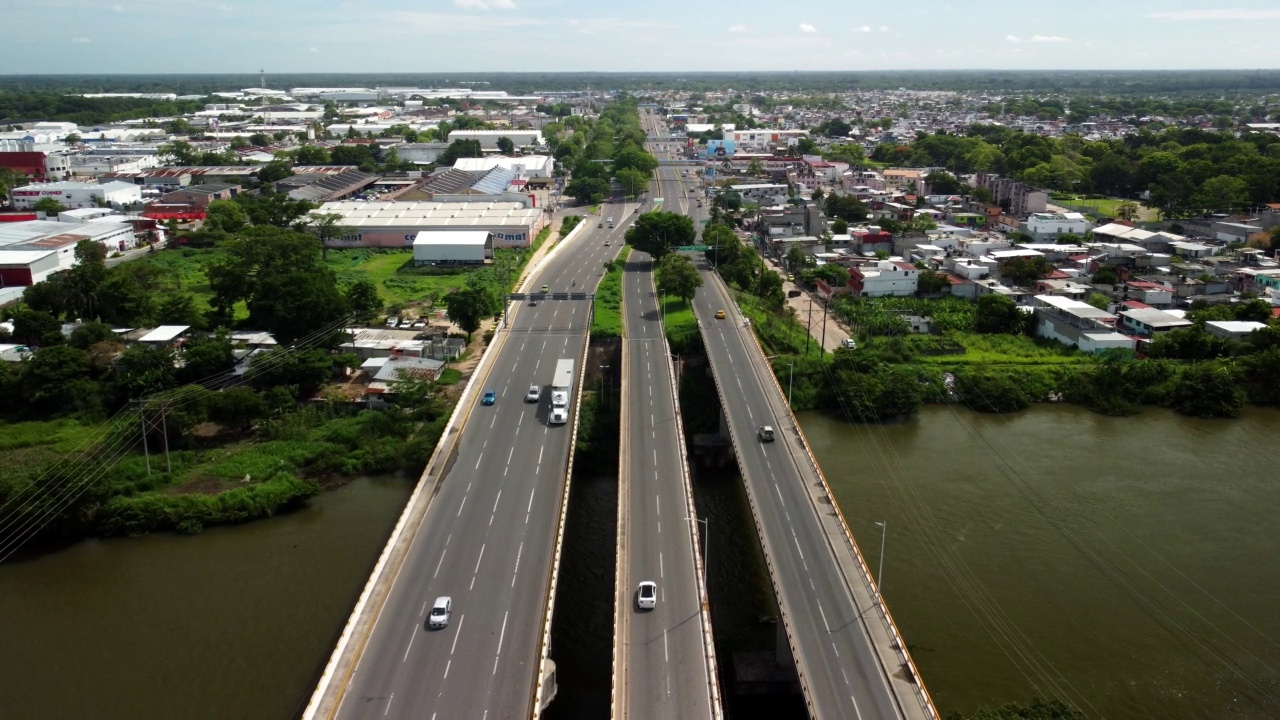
point(448, 664)
point(657, 500)
point(666, 656)
point(482, 546)
point(456, 634)
point(437, 572)
point(389, 699)
point(412, 635)
point(544, 447)
point(661, 569)
point(824, 618)
point(797, 541)
point(423, 609)
point(461, 505)
point(501, 636)
point(784, 502)
point(516, 571)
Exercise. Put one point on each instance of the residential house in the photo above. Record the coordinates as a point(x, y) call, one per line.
point(1072, 322)
point(1233, 329)
point(1150, 322)
point(886, 277)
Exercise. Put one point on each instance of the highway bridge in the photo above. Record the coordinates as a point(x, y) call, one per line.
point(483, 527)
point(850, 658)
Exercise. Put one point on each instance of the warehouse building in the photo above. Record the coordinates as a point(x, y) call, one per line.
point(489, 138)
point(78, 194)
point(524, 167)
point(452, 247)
point(397, 223)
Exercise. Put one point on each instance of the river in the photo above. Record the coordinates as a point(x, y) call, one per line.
point(1125, 565)
point(236, 622)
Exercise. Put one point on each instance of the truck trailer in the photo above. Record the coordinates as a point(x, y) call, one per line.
point(561, 389)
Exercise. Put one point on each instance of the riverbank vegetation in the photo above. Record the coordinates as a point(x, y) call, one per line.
point(982, 356)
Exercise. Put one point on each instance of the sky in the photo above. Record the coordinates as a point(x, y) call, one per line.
point(233, 36)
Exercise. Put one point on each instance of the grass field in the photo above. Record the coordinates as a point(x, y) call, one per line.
point(393, 272)
point(606, 316)
point(1102, 206)
point(980, 350)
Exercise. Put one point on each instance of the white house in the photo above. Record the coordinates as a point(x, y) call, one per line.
point(1043, 225)
point(887, 277)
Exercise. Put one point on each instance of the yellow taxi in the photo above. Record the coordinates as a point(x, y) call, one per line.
point(719, 314)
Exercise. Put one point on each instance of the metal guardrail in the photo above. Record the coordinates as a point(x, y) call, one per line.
point(899, 644)
point(545, 644)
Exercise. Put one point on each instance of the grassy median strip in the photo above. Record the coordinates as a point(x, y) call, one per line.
point(606, 320)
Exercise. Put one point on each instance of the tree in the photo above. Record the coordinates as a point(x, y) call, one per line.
point(796, 259)
point(362, 298)
point(656, 233)
point(48, 296)
point(57, 379)
point(506, 146)
point(302, 370)
point(1024, 271)
point(179, 309)
point(633, 181)
point(359, 155)
point(1209, 390)
point(275, 171)
point(459, 149)
point(756, 168)
point(49, 206)
point(91, 333)
point(942, 183)
point(280, 276)
point(467, 307)
point(1127, 210)
point(145, 369)
point(205, 356)
point(930, 282)
point(839, 226)
point(632, 157)
point(312, 155)
point(587, 190)
point(236, 408)
point(677, 276)
point(122, 301)
point(845, 207)
point(34, 327)
point(1223, 192)
point(225, 215)
point(1098, 300)
point(996, 314)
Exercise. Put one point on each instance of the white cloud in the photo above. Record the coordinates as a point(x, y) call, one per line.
point(118, 8)
point(738, 28)
point(806, 27)
point(884, 28)
point(81, 40)
point(1049, 39)
point(315, 50)
point(1013, 38)
point(1217, 14)
point(485, 4)
point(863, 29)
point(600, 26)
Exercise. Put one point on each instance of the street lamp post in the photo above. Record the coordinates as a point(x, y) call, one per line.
point(880, 572)
point(706, 545)
point(603, 368)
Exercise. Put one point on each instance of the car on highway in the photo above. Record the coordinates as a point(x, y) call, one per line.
point(647, 595)
point(601, 224)
point(719, 314)
point(765, 433)
point(441, 609)
point(546, 288)
point(490, 397)
point(533, 302)
point(534, 394)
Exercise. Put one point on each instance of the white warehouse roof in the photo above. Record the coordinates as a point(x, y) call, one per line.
point(431, 214)
point(455, 237)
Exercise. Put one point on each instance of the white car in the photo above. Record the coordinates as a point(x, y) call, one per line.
point(647, 595)
point(393, 322)
point(440, 611)
point(534, 394)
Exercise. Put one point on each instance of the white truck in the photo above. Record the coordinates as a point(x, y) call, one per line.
point(561, 388)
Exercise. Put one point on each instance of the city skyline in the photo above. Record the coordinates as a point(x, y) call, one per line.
point(664, 36)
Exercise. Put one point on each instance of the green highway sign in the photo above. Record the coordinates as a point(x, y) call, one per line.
point(693, 248)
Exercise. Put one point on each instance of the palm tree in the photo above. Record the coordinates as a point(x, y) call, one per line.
point(1127, 210)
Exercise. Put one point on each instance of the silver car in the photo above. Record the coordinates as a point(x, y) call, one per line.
point(647, 595)
point(440, 612)
point(534, 394)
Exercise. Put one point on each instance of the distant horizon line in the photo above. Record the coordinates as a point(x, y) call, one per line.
point(1023, 71)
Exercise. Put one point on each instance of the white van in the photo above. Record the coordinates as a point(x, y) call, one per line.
point(610, 221)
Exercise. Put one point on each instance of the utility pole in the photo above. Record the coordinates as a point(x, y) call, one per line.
point(143, 418)
point(825, 305)
point(165, 425)
point(808, 328)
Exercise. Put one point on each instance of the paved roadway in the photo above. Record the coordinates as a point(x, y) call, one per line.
point(843, 675)
point(662, 667)
point(487, 538)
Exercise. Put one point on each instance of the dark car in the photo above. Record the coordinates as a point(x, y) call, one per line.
point(490, 397)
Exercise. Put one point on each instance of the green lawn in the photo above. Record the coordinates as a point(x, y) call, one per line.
point(1103, 206)
point(984, 350)
point(398, 281)
point(680, 324)
point(606, 316)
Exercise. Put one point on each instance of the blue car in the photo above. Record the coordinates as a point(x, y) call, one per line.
point(490, 397)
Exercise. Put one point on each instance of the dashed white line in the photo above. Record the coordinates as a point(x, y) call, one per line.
point(502, 635)
point(437, 572)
